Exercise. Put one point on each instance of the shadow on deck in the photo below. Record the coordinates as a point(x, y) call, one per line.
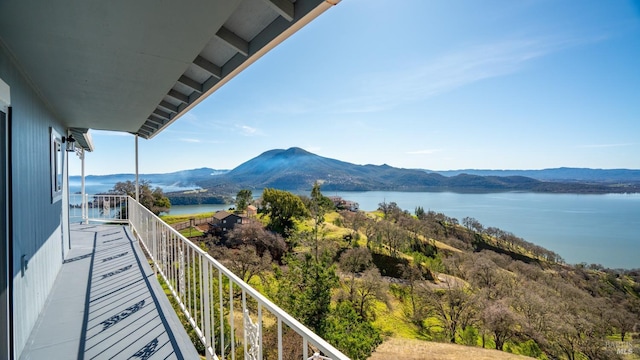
point(106, 303)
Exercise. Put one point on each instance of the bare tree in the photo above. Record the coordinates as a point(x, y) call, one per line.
point(245, 262)
point(370, 288)
point(413, 274)
point(354, 220)
point(454, 307)
point(370, 231)
point(253, 233)
point(501, 322)
point(392, 236)
point(622, 319)
point(354, 261)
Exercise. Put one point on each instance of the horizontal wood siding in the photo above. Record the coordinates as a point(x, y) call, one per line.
point(36, 221)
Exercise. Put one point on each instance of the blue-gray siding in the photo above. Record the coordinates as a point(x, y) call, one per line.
point(37, 230)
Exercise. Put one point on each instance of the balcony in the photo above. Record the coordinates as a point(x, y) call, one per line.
point(107, 301)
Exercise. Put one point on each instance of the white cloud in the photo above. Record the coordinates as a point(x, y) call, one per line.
point(447, 72)
point(247, 130)
point(191, 140)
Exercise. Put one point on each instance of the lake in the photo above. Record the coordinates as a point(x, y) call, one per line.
point(600, 229)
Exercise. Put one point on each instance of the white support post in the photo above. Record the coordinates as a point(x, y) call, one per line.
point(137, 183)
point(83, 201)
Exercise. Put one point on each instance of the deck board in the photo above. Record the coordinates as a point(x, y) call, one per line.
point(107, 304)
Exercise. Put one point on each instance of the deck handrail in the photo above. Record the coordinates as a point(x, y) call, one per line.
point(101, 208)
point(177, 259)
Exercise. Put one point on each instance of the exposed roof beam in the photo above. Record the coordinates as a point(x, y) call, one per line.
point(162, 114)
point(210, 67)
point(145, 134)
point(284, 8)
point(185, 80)
point(235, 41)
point(276, 32)
point(153, 125)
point(157, 120)
point(169, 106)
point(178, 96)
point(148, 129)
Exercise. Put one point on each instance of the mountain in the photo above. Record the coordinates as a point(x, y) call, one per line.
point(565, 174)
point(178, 179)
point(297, 169)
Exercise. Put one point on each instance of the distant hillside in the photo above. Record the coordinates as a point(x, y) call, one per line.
point(180, 179)
point(297, 169)
point(564, 174)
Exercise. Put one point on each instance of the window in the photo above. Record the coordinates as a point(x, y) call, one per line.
point(56, 165)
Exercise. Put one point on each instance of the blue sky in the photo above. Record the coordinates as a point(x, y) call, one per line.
point(423, 84)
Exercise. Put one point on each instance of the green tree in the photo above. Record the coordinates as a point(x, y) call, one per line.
point(282, 207)
point(304, 290)
point(350, 333)
point(152, 199)
point(318, 207)
point(243, 199)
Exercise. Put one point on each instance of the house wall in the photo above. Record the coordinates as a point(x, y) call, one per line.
point(37, 231)
point(4, 231)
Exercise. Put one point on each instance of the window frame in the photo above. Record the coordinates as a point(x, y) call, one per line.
point(56, 165)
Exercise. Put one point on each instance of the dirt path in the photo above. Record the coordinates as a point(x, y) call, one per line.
point(409, 349)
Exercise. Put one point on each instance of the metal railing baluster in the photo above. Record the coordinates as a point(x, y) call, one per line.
point(189, 271)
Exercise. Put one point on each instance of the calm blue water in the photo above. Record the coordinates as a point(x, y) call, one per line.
point(601, 229)
point(95, 187)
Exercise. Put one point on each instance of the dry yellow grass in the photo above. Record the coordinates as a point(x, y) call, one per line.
point(411, 349)
point(443, 246)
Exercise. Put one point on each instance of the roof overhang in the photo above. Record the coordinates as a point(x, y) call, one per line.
point(138, 66)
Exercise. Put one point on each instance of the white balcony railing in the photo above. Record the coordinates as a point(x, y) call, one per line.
point(231, 319)
point(98, 208)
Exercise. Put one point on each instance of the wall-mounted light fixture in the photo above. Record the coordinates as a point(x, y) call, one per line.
point(70, 143)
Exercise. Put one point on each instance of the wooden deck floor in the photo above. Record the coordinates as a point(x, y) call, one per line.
point(107, 304)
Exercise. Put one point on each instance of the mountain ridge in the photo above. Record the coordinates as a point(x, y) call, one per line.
point(298, 169)
point(556, 174)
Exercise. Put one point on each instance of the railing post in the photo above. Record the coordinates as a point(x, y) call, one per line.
point(279, 338)
point(206, 282)
point(154, 246)
point(245, 325)
point(85, 208)
point(181, 275)
point(221, 315)
point(232, 336)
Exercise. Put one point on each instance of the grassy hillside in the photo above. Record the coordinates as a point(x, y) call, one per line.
point(434, 287)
